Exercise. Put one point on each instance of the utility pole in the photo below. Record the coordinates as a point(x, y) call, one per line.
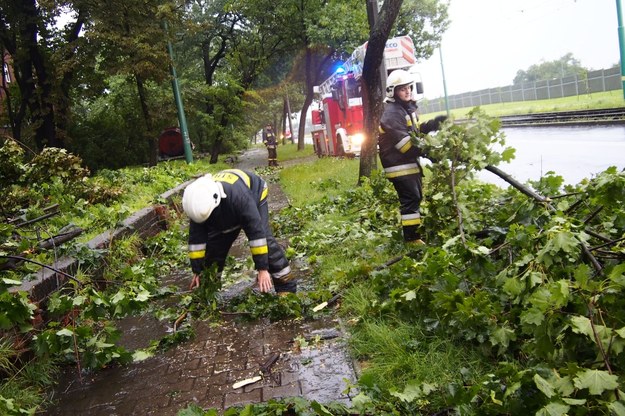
point(182, 120)
point(621, 42)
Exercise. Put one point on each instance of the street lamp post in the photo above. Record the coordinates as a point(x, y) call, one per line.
point(182, 120)
point(621, 42)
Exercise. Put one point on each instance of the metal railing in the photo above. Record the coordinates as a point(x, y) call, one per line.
point(591, 82)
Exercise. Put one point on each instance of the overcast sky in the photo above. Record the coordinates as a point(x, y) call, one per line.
point(488, 41)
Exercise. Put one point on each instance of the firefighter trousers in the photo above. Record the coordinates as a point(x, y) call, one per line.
point(409, 191)
point(272, 156)
point(218, 245)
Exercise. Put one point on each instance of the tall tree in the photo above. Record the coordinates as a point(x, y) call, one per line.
point(424, 21)
point(42, 56)
point(131, 41)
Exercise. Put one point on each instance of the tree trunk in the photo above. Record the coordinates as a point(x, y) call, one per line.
point(312, 78)
point(371, 83)
point(150, 137)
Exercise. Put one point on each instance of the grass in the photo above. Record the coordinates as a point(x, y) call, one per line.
point(289, 152)
point(608, 99)
point(309, 182)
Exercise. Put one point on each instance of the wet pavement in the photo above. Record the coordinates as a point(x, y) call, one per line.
point(287, 358)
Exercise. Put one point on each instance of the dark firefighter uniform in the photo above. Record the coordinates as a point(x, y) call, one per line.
point(269, 138)
point(243, 207)
point(400, 160)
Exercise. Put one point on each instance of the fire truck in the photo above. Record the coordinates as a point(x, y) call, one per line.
point(338, 128)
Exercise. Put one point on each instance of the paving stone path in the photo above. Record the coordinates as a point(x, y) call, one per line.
point(204, 369)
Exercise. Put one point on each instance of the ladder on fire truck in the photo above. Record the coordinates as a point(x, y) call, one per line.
point(398, 54)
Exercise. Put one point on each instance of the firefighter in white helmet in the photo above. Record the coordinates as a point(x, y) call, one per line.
point(219, 206)
point(399, 157)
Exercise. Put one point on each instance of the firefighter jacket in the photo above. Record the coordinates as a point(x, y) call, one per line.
point(245, 192)
point(269, 138)
point(398, 155)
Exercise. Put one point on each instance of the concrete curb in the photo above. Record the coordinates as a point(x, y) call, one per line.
point(145, 222)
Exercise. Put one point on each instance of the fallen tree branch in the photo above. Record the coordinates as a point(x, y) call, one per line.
point(518, 185)
point(69, 276)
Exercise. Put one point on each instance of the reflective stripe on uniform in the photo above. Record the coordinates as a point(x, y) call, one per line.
point(231, 176)
point(411, 219)
point(259, 246)
point(404, 144)
point(197, 251)
point(244, 176)
point(408, 120)
point(263, 195)
point(402, 170)
point(283, 274)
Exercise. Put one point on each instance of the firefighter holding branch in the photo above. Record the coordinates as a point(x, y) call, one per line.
point(219, 206)
point(398, 154)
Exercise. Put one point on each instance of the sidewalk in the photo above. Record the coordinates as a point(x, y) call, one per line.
point(204, 369)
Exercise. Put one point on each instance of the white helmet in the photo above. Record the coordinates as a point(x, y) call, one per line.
point(201, 198)
point(397, 78)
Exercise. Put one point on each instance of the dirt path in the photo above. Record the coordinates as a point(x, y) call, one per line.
point(204, 369)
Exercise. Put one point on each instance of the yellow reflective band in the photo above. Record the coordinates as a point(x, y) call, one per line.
point(415, 221)
point(404, 144)
point(264, 194)
point(408, 121)
point(404, 172)
point(197, 254)
point(256, 251)
point(231, 176)
point(241, 175)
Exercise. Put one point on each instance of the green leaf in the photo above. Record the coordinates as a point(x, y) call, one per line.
point(574, 402)
point(65, 332)
point(143, 296)
point(565, 241)
point(596, 381)
point(118, 297)
point(554, 409)
point(533, 316)
point(494, 398)
point(502, 336)
point(617, 275)
point(508, 154)
point(513, 286)
point(361, 400)
point(11, 282)
point(544, 386)
point(411, 392)
point(320, 409)
point(581, 325)
point(617, 408)
point(79, 300)
point(410, 295)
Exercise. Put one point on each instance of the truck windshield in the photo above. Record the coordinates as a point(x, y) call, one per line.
point(353, 88)
point(354, 93)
